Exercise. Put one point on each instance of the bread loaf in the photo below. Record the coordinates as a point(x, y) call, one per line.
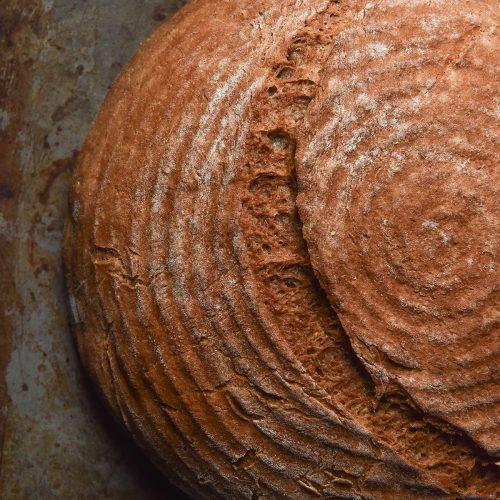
point(195, 306)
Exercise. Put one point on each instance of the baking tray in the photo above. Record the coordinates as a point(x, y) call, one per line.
point(57, 60)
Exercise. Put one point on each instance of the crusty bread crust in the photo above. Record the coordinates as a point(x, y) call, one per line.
point(194, 304)
point(398, 169)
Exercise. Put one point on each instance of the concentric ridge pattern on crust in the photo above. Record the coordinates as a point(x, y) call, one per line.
point(398, 169)
point(194, 304)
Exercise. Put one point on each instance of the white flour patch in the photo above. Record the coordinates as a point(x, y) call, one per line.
point(355, 139)
point(430, 23)
point(434, 226)
point(377, 50)
point(430, 224)
point(362, 162)
point(396, 163)
point(365, 11)
point(461, 165)
point(335, 85)
point(366, 102)
point(321, 141)
point(353, 57)
point(414, 104)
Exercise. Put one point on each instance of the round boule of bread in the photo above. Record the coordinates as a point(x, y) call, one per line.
point(194, 304)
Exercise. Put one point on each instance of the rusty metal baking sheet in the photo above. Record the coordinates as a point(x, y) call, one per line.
point(57, 60)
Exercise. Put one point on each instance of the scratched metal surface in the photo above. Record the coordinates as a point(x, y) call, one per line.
point(57, 59)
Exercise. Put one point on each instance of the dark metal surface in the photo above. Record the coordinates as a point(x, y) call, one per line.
point(57, 60)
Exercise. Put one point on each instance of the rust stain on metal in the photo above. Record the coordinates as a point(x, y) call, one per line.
point(57, 60)
point(15, 75)
point(58, 167)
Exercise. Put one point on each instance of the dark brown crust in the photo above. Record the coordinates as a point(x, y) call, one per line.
point(399, 192)
point(194, 304)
